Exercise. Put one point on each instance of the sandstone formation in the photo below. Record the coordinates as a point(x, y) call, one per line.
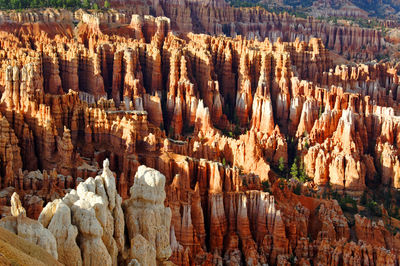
point(89, 222)
point(92, 211)
point(28, 229)
point(17, 251)
point(147, 220)
point(250, 139)
point(218, 17)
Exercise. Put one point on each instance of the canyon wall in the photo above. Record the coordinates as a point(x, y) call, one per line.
point(218, 118)
point(217, 17)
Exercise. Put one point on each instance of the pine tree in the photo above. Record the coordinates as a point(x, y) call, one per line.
point(321, 111)
point(107, 4)
point(86, 4)
point(281, 165)
point(294, 171)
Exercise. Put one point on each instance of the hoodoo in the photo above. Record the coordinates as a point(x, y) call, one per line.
point(199, 133)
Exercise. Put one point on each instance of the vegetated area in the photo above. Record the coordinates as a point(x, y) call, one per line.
point(382, 203)
point(23, 4)
point(376, 203)
point(246, 3)
point(377, 7)
point(301, 8)
point(275, 8)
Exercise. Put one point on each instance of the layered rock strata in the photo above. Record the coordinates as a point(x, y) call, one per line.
point(220, 118)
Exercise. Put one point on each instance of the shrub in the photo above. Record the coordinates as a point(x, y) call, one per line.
point(306, 145)
point(294, 170)
point(321, 111)
point(302, 174)
point(281, 165)
point(86, 4)
point(373, 209)
point(21, 4)
point(345, 201)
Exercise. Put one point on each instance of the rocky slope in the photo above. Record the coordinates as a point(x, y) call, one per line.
point(18, 251)
point(329, 8)
point(264, 152)
point(217, 17)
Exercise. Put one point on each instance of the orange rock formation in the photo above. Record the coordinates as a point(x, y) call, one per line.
point(216, 116)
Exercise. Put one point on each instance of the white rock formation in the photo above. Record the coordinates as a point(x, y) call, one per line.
point(148, 220)
point(92, 213)
point(56, 216)
point(27, 228)
point(16, 206)
point(89, 224)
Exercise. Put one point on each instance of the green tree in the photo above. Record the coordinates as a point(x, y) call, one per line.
point(86, 4)
point(20, 4)
point(321, 111)
point(374, 209)
point(35, 3)
point(14, 4)
point(294, 171)
point(281, 165)
point(95, 6)
point(306, 145)
point(73, 3)
point(302, 173)
point(107, 4)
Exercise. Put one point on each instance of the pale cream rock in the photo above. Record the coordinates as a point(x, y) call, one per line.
point(16, 206)
point(148, 220)
point(93, 214)
point(29, 229)
point(56, 216)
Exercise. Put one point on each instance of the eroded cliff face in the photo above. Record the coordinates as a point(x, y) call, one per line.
point(87, 226)
point(89, 223)
point(221, 120)
point(214, 17)
point(218, 17)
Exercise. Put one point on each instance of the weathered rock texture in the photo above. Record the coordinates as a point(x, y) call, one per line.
point(89, 223)
point(218, 118)
point(27, 228)
point(217, 17)
point(147, 219)
point(17, 251)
